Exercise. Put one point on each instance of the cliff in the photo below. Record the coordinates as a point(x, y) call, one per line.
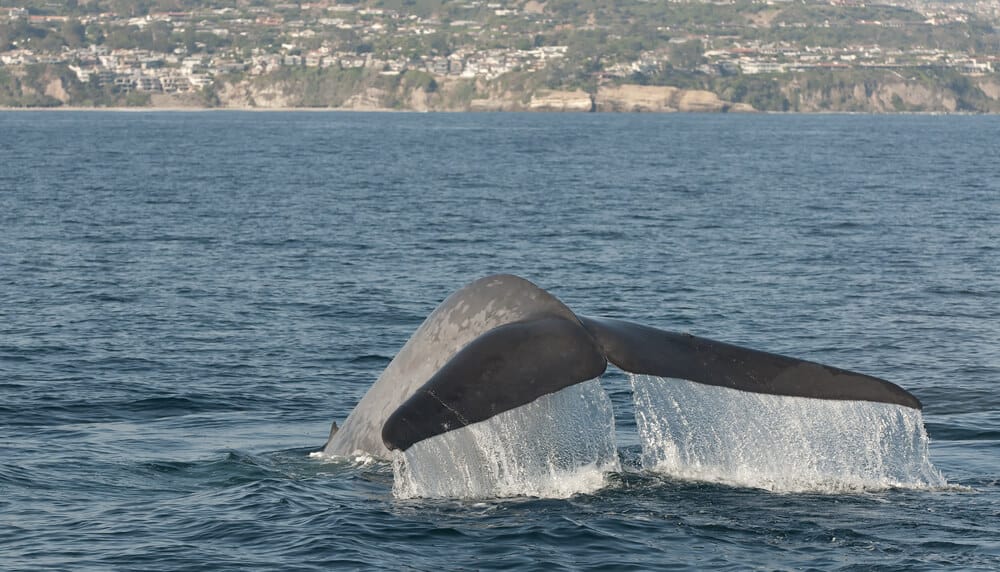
point(662, 99)
point(54, 86)
point(420, 92)
point(396, 92)
point(895, 96)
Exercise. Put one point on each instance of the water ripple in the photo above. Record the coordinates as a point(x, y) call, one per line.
point(182, 316)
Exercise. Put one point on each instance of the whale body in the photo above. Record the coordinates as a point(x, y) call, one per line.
point(502, 342)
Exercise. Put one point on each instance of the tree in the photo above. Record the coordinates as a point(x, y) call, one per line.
point(121, 37)
point(74, 33)
point(160, 40)
point(440, 43)
point(94, 34)
point(688, 55)
point(190, 39)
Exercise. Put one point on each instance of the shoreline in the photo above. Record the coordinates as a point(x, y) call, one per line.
point(182, 109)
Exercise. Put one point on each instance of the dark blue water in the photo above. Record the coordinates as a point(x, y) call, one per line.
point(188, 300)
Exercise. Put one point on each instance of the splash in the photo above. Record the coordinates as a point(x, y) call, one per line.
point(559, 445)
point(356, 460)
point(779, 443)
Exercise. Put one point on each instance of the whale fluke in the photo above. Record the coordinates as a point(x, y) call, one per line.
point(507, 367)
point(502, 342)
point(641, 349)
point(461, 318)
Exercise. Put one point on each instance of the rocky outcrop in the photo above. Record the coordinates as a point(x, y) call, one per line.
point(869, 92)
point(658, 99)
point(491, 104)
point(56, 90)
point(420, 100)
point(247, 95)
point(901, 96)
point(370, 99)
point(561, 101)
point(176, 101)
point(886, 97)
point(990, 87)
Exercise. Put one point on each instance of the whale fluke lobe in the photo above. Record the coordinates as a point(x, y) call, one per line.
point(502, 342)
point(644, 350)
point(462, 317)
point(507, 367)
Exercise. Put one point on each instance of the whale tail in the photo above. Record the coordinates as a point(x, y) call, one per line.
point(502, 342)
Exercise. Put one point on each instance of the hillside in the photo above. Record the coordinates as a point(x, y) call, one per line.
point(622, 55)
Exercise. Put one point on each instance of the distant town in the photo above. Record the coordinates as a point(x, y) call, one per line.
point(381, 53)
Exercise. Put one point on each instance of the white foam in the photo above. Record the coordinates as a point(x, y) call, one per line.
point(779, 443)
point(556, 446)
point(360, 459)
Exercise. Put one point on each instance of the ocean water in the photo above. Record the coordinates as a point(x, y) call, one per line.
point(188, 300)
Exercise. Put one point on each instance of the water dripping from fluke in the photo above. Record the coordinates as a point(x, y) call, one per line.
point(779, 443)
point(559, 445)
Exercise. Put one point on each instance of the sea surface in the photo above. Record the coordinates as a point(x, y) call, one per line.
point(188, 300)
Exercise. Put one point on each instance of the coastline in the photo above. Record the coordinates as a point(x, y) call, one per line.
point(181, 109)
point(794, 95)
point(71, 108)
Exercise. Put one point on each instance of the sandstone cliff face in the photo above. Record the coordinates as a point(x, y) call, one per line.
point(657, 99)
point(370, 99)
point(244, 94)
point(454, 95)
point(561, 101)
point(493, 104)
point(364, 96)
point(46, 84)
point(420, 100)
point(885, 97)
point(55, 89)
point(487, 98)
point(912, 96)
point(990, 87)
point(52, 85)
point(176, 101)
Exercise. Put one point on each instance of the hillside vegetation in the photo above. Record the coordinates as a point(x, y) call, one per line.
point(635, 55)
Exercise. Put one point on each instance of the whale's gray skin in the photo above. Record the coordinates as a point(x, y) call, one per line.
point(502, 342)
point(462, 317)
point(641, 349)
point(507, 367)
